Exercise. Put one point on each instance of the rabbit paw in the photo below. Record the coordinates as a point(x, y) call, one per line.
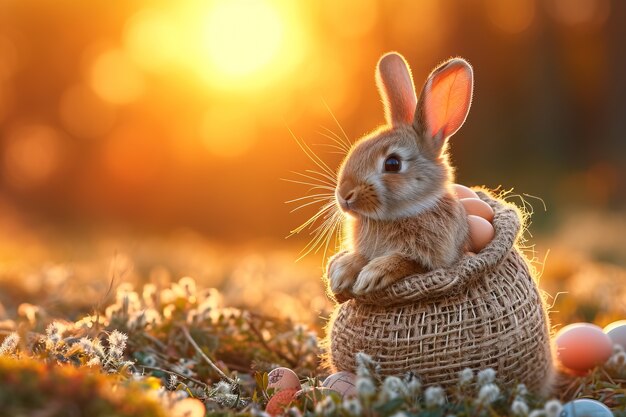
point(382, 272)
point(343, 269)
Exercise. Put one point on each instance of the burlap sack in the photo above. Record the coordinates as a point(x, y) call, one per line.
point(485, 311)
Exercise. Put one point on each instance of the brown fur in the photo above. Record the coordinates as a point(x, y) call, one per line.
point(401, 222)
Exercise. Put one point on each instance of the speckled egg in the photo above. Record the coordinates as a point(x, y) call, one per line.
point(582, 346)
point(279, 401)
point(478, 207)
point(282, 379)
point(462, 191)
point(481, 232)
point(585, 407)
point(342, 382)
point(617, 332)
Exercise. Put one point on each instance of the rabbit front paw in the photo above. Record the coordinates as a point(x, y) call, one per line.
point(343, 270)
point(384, 271)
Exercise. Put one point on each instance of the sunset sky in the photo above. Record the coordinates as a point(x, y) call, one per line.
point(159, 115)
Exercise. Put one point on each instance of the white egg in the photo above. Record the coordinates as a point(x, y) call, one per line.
point(617, 333)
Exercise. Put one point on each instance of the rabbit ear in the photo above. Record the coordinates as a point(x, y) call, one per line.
point(445, 101)
point(395, 85)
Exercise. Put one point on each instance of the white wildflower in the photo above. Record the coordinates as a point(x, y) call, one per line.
point(394, 387)
point(353, 406)
point(521, 390)
point(365, 386)
point(9, 344)
point(364, 363)
point(488, 393)
point(325, 407)
point(95, 361)
point(519, 407)
point(434, 396)
point(486, 376)
point(414, 385)
point(55, 331)
point(117, 343)
point(537, 413)
point(86, 345)
point(617, 361)
point(466, 376)
point(222, 387)
point(553, 408)
point(172, 382)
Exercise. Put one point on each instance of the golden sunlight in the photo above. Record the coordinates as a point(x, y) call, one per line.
point(242, 37)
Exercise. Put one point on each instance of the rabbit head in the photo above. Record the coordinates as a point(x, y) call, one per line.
point(402, 168)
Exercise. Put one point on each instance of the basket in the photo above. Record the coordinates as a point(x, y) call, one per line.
point(484, 311)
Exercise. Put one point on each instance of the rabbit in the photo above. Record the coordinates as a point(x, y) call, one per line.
point(395, 184)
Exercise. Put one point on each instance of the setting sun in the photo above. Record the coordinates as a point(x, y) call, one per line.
point(242, 37)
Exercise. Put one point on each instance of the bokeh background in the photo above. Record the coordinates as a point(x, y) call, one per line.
point(146, 139)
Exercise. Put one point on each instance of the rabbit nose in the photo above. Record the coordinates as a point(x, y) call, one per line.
point(347, 190)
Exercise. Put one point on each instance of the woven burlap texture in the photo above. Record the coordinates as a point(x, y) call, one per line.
point(485, 311)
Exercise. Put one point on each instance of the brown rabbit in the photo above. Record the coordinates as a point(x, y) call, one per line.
point(395, 184)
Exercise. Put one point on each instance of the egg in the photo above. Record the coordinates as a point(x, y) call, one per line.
point(462, 191)
point(582, 346)
point(279, 401)
point(481, 232)
point(585, 407)
point(283, 378)
point(478, 207)
point(617, 332)
point(342, 382)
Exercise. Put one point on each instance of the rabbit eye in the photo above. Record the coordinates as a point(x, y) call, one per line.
point(392, 164)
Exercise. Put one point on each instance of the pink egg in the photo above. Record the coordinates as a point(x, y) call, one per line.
point(478, 208)
point(342, 382)
point(481, 232)
point(283, 378)
point(617, 332)
point(582, 346)
point(462, 191)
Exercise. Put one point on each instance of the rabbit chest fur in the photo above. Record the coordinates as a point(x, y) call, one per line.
point(433, 239)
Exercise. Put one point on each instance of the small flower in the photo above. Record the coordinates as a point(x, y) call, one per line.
point(9, 344)
point(488, 394)
point(364, 363)
point(172, 382)
point(325, 407)
point(86, 345)
point(365, 387)
point(95, 361)
point(353, 406)
point(394, 387)
point(117, 343)
point(434, 396)
point(222, 387)
point(55, 331)
point(466, 376)
point(617, 361)
point(519, 407)
point(553, 408)
point(521, 390)
point(537, 413)
point(486, 376)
